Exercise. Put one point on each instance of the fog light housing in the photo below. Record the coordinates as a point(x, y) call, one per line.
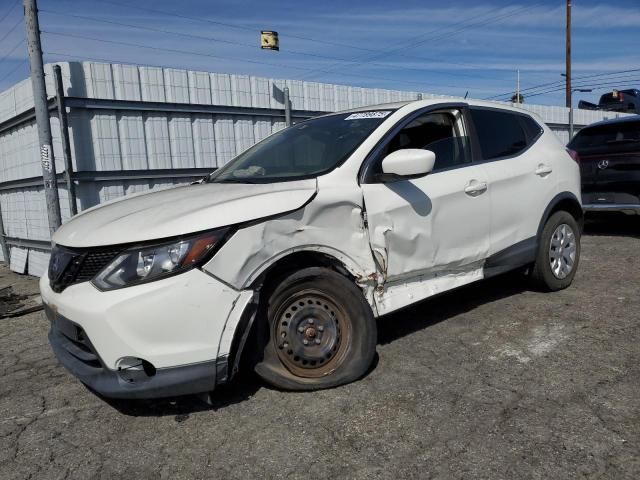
point(133, 370)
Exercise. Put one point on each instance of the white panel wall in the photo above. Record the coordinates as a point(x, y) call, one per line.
point(133, 147)
point(156, 128)
point(181, 141)
point(204, 141)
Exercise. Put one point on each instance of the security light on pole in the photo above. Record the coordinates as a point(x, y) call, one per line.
point(269, 40)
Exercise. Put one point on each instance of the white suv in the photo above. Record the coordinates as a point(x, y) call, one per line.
point(289, 252)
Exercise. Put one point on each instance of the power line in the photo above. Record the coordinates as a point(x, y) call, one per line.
point(164, 49)
point(625, 83)
point(9, 11)
point(398, 47)
point(11, 51)
point(561, 82)
point(612, 83)
point(13, 70)
point(447, 34)
point(226, 24)
point(186, 35)
point(315, 40)
point(252, 46)
point(11, 30)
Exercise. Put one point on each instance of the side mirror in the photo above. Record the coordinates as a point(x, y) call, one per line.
point(408, 162)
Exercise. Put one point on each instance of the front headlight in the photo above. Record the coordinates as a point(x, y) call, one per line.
point(145, 263)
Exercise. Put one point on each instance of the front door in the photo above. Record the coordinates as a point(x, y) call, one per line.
point(433, 227)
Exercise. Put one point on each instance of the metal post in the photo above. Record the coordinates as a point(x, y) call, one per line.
point(42, 115)
point(571, 122)
point(568, 56)
point(287, 107)
point(3, 242)
point(64, 135)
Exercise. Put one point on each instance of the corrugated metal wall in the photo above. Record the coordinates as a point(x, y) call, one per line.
point(121, 140)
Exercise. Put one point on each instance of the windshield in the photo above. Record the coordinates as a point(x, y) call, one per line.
point(304, 150)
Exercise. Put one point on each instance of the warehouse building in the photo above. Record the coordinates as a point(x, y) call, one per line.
point(132, 128)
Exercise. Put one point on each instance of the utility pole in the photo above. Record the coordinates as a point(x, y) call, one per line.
point(518, 87)
point(42, 115)
point(568, 56)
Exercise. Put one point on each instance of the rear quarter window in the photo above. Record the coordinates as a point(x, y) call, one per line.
point(502, 133)
point(531, 127)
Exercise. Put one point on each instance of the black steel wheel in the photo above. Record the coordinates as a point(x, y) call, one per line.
point(321, 332)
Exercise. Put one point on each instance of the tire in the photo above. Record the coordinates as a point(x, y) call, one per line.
point(328, 312)
point(558, 252)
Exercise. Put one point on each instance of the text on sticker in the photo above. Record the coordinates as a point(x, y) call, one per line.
point(375, 114)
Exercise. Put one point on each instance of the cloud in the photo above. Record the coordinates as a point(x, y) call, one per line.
point(541, 16)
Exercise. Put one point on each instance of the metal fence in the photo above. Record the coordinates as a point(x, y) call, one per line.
point(130, 128)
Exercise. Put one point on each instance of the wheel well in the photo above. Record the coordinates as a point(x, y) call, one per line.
point(562, 202)
point(265, 284)
point(294, 262)
point(569, 205)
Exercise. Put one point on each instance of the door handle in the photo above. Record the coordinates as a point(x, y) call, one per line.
point(543, 169)
point(475, 188)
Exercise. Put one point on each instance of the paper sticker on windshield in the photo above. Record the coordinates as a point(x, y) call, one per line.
point(375, 114)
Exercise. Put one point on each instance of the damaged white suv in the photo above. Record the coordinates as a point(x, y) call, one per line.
point(290, 252)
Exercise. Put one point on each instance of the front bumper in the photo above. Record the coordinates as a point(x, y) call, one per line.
point(181, 329)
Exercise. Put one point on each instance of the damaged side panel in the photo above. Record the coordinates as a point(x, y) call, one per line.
point(401, 244)
point(332, 223)
point(427, 235)
point(402, 294)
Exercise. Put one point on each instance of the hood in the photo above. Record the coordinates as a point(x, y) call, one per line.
point(181, 210)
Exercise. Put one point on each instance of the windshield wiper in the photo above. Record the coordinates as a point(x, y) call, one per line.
point(234, 180)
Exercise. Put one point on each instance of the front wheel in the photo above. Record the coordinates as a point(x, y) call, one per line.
point(322, 332)
point(558, 252)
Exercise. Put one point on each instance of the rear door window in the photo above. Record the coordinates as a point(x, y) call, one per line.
point(612, 137)
point(500, 133)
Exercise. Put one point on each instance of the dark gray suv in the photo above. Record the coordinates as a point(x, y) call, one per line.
point(609, 157)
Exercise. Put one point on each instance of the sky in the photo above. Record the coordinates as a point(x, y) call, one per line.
point(428, 46)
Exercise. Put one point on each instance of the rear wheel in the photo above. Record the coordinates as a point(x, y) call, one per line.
point(558, 252)
point(321, 332)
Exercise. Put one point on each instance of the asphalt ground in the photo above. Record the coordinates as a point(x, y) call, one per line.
point(493, 381)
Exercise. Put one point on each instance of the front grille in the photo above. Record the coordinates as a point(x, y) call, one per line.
point(70, 266)
point(93, 263)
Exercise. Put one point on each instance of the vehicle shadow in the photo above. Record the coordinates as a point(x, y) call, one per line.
point(450, 304)
point(391, 327)
point(242, 388)
point(612, 224)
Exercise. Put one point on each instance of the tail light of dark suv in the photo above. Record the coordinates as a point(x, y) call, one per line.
point(573, 154)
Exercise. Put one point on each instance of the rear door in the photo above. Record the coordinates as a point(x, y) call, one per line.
point(610, 162)
point(522, 182)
